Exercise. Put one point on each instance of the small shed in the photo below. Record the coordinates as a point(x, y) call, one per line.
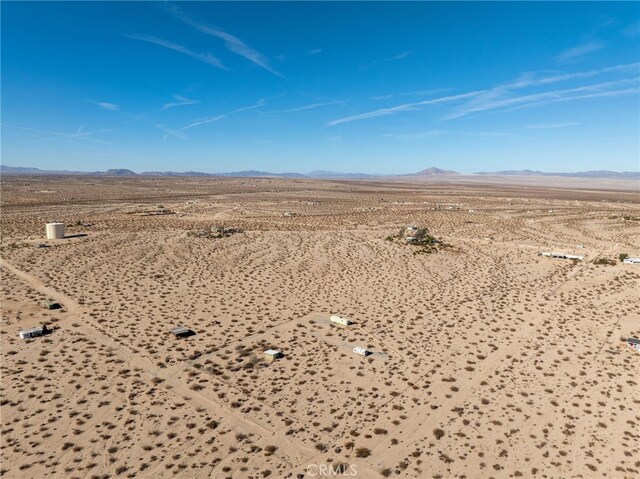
point(51, 305)
point(272, 354)
point(631, 260)
point(182, 332)
point(633, 343)
point(33, 332)
point(361, 351)
point(340, 320)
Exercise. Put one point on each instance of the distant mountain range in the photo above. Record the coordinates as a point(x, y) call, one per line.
point(581, 174)
point(320, 174)
point(433, 171)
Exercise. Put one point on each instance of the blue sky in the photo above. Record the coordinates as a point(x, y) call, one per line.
point(369, 87)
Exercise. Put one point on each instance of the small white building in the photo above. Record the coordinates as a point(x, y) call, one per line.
point(273, 354)
point(361, 351)
point(633, 343)
point(55, 231)
point(340, 320)
point(182, 332)
point(562, 255)
point(631, 260)
point(32, 333)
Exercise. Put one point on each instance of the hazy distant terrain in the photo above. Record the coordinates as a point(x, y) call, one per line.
point(488, 359)
point(319, 174)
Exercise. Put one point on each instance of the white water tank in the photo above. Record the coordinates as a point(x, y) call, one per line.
point(55, 230)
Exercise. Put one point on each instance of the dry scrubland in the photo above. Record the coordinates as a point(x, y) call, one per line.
point(490, 361)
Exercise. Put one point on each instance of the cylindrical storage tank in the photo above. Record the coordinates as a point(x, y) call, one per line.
point(55, 230)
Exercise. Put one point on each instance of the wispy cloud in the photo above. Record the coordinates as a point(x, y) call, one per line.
point(433, 91)
point(546, 126)
point(580, 50)
point(179, 133)
point(399, 56)
point(500, 102)
point(402, 108)
point(169, 132)
point(203, 57)
point(504, 97)
point(233, 43)
point(105, 105)
point(585, 96)
point(180, 101)
point(311, 106)
point(46, 135)
point(315, 51)
point(530, 79)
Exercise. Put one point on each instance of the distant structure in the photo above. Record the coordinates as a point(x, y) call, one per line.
point(273, 354)
point(33, 332)
point(340, 320)
point(55, 231)
point(631, 260)
point(182, 332)
point(562, 256)
point(409, 233)
point(633, 343)
point(361, 351)
point(51, 305)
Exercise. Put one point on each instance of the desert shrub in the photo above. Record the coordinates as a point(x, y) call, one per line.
point(438, 433)
point(363, 452)
point(604, 262)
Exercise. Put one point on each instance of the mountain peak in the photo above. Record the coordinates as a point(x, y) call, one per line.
point(433, 171)
point(119, 172)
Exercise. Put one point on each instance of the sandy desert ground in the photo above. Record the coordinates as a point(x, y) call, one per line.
point(489, 360)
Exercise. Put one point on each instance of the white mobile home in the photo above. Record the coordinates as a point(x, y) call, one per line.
point(562, 255)
point(272, 354)
point(32, 333)
point(631, 260)
point(340, 320)
point(633, 343)
point(361, 351)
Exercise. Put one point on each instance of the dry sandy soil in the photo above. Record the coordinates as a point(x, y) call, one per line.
point(489, 360)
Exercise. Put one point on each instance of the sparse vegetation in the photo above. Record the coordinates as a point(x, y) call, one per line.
point(497, 359)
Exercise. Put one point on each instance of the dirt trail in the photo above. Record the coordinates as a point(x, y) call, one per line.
point(170, 383)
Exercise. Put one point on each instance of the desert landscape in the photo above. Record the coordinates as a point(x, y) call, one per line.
point(486, 359)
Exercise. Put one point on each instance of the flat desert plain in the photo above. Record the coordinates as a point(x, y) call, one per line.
point(488, 360)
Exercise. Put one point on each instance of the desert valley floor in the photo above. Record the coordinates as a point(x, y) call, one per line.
point(488, 359)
